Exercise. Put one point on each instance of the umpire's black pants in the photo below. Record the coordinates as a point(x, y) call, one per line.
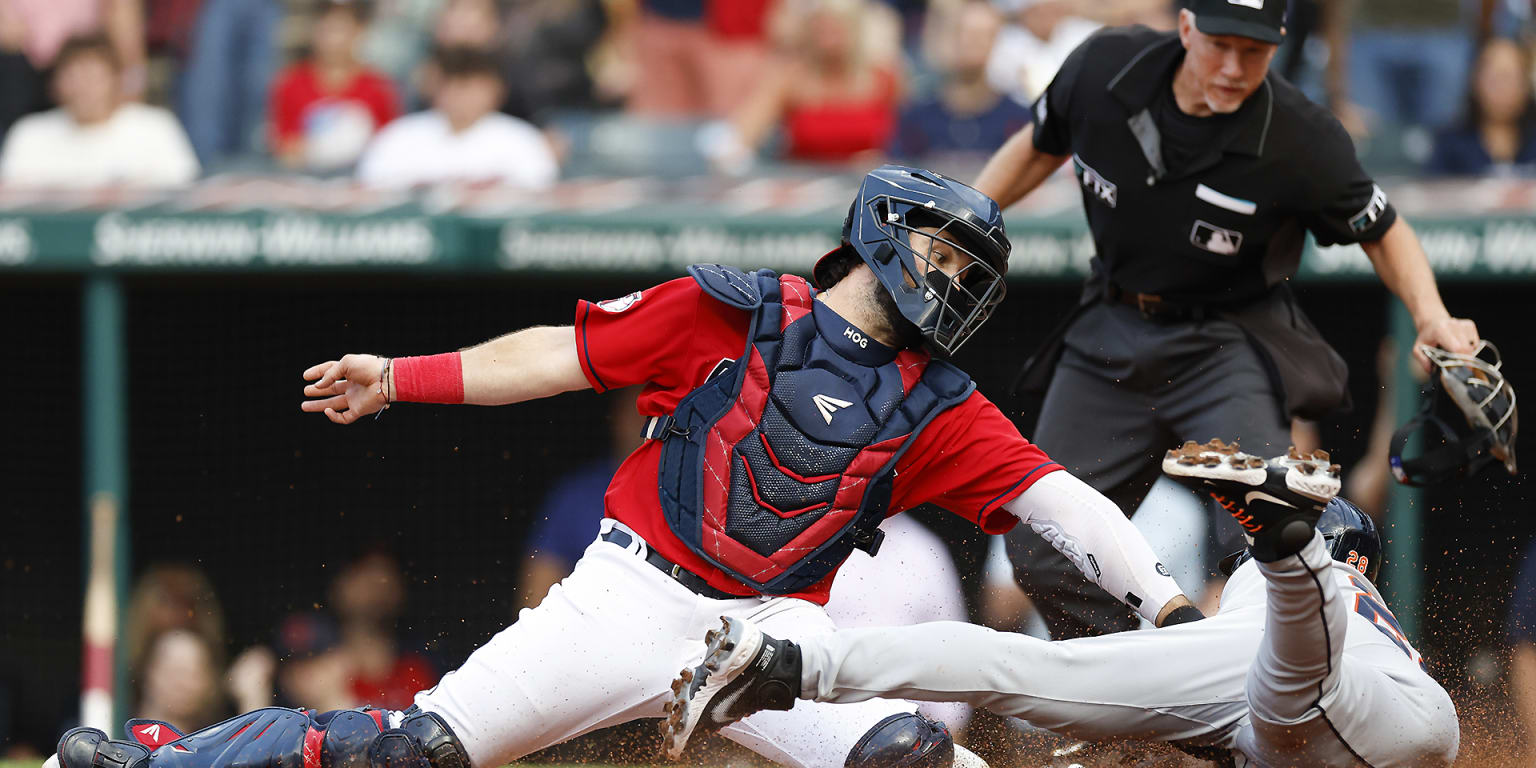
point(1126, 390)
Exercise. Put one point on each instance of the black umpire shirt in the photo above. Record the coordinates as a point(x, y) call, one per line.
point(1200, 210)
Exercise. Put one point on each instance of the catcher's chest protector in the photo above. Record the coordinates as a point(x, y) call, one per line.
point(781, 464)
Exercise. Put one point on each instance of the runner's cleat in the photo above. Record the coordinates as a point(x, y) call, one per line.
point(1277, 501)
point(744, 671)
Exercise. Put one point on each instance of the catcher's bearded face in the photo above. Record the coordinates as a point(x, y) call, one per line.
point(931, 252)
point(936, 252)
point(888, 324)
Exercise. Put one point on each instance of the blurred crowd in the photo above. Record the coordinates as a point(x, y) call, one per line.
point(402, 93)
point(346, 653)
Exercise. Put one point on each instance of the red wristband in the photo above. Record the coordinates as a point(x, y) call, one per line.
point(429, 379)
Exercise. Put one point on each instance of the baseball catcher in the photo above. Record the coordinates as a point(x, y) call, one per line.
point(784, 422)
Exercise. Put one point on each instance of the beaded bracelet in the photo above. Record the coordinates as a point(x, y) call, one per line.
point(384, 387)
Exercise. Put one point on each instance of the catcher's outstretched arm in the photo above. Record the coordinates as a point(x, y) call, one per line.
point(524, 365)
point(1098, 538)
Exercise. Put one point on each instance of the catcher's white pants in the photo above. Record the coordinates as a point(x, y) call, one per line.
point(1295, 670)
point(914, 580)
point(603, 648)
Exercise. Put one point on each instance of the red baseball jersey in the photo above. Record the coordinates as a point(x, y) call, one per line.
point(970, 459)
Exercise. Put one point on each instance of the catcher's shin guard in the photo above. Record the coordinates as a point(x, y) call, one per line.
point(273, 737)
point(90, 748)
point(421, 736)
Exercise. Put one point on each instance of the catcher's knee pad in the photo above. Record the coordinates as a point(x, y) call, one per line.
point(907, 740)
point(273, 737)
point(423, 740)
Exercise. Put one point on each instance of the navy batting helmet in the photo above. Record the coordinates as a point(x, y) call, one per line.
point(1348, 533)
point(892, 227)
point(1351, 536)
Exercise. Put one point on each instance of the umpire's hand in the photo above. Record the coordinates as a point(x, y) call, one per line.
point(1452, 334)
point(351, 388)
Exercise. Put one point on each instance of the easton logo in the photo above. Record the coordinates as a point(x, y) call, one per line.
point(829, 405)
point(1254, 4)
point(151, 733)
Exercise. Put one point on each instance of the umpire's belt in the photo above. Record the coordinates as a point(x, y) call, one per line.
point(1155, 307)
point(677, 573)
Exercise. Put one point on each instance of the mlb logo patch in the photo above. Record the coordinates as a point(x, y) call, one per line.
point(620, 304)
point(1209, 237)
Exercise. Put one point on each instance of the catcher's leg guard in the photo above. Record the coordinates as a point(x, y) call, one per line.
point(273, 737)
point(423, 739)
point(90, 748)
point(906, 740)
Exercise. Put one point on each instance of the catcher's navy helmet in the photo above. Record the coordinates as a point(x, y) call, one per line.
point(1471, 407)
point(1348, 533)
point(882, 228)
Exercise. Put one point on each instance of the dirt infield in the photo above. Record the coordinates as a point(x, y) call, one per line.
point(1487, 741)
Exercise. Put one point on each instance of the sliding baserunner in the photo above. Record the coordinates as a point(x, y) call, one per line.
point(1303, 665)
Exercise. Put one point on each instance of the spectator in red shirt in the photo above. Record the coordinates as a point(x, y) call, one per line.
point(368, 596)
point(327, 107)
point(833, 96)
point(348, 657)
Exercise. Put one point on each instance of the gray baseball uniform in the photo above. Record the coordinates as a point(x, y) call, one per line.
point(1302, 666)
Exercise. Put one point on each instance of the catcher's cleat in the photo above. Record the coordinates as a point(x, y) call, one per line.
point(744, 671)
point(1277, 501)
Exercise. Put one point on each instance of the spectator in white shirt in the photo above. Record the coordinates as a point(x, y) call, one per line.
point(1033, 45)
point(96, 137)
point(462, 138)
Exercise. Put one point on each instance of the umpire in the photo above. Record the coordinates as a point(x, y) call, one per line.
point(1200, 173)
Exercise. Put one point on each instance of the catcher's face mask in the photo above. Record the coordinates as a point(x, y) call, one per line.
point(948, 288)
point(937, 247)
point(1464, 446)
